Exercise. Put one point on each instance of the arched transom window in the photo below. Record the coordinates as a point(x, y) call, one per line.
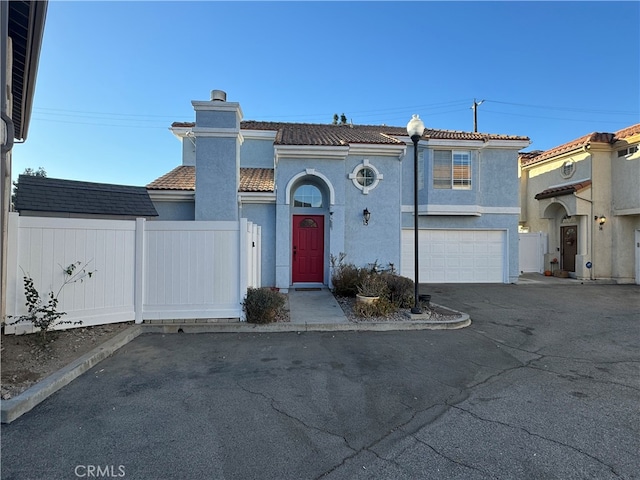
point(307, 196)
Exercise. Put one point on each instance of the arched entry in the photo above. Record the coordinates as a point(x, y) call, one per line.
point(564, 230)
point(309, 197)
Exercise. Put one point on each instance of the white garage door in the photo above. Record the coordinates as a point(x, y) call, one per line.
point(455, 256)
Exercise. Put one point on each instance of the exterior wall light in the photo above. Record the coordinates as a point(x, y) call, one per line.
point(601, 220)
point(366, 215)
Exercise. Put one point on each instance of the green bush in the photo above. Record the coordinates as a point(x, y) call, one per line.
point(262, 305)
point(345, 279)
point(400, 290)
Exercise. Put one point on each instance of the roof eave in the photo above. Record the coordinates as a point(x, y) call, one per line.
point(38, 13)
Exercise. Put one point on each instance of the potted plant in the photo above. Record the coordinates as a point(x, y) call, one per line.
point(553, 263)
point(371, 288)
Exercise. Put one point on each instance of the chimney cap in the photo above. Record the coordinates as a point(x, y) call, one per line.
point(218, 96)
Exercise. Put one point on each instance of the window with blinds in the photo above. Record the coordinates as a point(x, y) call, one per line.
point(451, 169)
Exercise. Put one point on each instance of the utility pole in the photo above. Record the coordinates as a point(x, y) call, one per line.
point(475, 114)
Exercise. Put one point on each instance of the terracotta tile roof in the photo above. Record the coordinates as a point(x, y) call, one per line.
point(527, 158)
point(337, 135)
point(563, 190)
point(627, 132)
point(44, 194)
point(180, 178)
point(184, 178)
point(256, 180)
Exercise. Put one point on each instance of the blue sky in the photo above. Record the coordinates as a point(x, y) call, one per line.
point(113, 76)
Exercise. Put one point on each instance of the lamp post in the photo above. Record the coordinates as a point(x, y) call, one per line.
point(415, 129)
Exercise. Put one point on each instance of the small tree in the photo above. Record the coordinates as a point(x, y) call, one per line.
point(40, 172)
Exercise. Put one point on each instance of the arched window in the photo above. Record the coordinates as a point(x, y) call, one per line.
point(307, 196)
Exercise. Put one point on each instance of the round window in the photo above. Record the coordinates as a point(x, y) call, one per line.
point(568, 168)
point(366, 176)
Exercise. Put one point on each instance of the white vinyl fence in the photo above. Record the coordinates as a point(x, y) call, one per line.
point(143, 270)
point(531, 249)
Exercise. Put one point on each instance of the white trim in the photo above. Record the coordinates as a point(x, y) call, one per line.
point(180, 132)
point(311, 151)
point(455, 144)
point(310, 171)
point(204, 105)
point(257, 197)
point(260, 134)
point(378, 150)
point(509, 144)
point(473, 210)
point(627, 211)
point(172, 195)
point(216, 132)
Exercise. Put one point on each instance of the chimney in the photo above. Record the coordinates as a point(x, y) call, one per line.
point(218, 96)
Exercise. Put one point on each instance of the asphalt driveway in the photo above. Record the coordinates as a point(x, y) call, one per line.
point(544, 384)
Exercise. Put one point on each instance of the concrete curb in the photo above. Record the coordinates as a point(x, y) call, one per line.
point(21, 404)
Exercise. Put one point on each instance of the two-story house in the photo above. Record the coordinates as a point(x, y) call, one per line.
point(585, 194)
point(318, 190)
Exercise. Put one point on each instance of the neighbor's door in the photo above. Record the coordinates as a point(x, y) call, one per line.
point(569, 248)
point(308, 248)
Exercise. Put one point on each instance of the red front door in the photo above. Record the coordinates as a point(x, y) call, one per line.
point(308, 248)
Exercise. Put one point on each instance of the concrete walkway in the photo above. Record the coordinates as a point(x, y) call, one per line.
point(314, 306)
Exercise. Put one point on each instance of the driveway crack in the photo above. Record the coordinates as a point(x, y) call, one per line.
point(450, 459)
point(542, 437)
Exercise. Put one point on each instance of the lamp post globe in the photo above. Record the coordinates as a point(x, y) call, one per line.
point(415, 129)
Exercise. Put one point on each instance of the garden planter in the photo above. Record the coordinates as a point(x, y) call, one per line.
point(363, 299)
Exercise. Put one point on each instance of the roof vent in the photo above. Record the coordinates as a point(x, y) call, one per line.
point(218, 96)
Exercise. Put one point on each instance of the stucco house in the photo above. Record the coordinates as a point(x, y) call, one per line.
point(318, 190)
point(585, 194)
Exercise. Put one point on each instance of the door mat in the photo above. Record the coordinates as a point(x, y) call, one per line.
point(312, 289)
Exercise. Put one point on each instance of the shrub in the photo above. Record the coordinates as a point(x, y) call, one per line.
point(345, 279)
point(262, 305)
point(373, 285)
point(380, 308)
point(44, 315)
point(400, 290)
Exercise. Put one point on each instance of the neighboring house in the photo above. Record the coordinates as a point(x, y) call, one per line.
point(52, 197)
point(21, 32)
point(585, 194)
point(308, 186)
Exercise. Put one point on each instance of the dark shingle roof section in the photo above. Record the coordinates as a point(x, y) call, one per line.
point(316, 134)
point(563, 190)
point(43, 194)
point(184, 178)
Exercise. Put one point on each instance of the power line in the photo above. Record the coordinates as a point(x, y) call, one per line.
point(542, 117)
point(568, 109)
